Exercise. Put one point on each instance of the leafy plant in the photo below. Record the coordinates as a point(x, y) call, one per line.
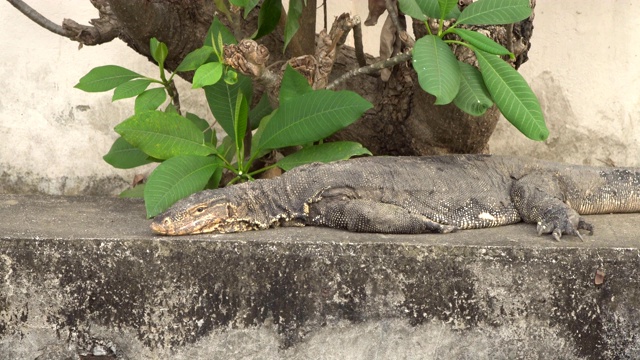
point(470, 89)
point(187, 147)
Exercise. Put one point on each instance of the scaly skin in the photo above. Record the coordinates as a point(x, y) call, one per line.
point(413, 195)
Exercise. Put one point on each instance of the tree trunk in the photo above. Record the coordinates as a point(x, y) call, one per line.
point(404, 120)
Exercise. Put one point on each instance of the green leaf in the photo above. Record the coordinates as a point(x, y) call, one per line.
point(216, 30)
point(150, 100)
point(293, 84)
point(240, 123)
point(207, 74)
point(435, 9)
point(268, 18)
point(482, 42)
point(175, 179)
point(230, 76)
point(227, 149)
point(159, 52)
point(105, 78)
point(437, 68)
point(473, 97)
point(256, 151)
point(446, 6)
point(163, 135)
point(170, 108)
point(222, 101)
point(195, 58)
point(221, 6)
point(130, 89)
point(293, 20)
point(259, 111)
point(413, 9)
point(248, 5)
point(453, 14)
point(136, 192)
point(123, 155)
point(214, 180)
point(311, 117)
point(327, 152)
point(203, 125)
point(512, 94)
point(495, 12)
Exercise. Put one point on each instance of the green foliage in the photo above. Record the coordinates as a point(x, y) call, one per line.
point(513, 96)
point(248, 5)
point(222, 101)
point(207, 74)
point(176, 178)
point(136, 192)
point(268, 18)
point(159, 52)
point(187, 147)
point(105, 78)
point(437, 68)
point(495, 12)
point(150, 100)
point(470, 89)
point(163, 135)
point(327, 152)
point(293, 85)
point(311, 117)
point(123, 155)
point(473, 97)
point(130, 89)
point(194, 59)
point(293, 19)
point(481, 42)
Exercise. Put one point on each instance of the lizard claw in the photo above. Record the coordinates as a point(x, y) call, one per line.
point(558, 224)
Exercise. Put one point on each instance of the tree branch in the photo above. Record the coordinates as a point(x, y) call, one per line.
point(371, 69)
point(37, 18)
point(105, 28)
point(392, 9)
point(357, 40)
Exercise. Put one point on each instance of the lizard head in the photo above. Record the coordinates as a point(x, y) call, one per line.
point(208, 211)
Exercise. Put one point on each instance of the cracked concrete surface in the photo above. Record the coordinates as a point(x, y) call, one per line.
point(84, 276)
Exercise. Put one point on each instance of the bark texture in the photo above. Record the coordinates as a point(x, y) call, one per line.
point(404, 120)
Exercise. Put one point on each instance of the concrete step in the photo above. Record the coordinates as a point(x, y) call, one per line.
point(84, 278)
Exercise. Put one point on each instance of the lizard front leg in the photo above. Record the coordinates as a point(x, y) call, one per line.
point(540, 199)
point(362, 215)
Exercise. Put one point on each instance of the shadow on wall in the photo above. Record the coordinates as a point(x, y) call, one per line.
point(569, 141)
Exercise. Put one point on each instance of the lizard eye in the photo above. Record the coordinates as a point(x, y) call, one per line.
point(200, 209)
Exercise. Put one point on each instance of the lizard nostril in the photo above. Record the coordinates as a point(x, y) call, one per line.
point(166, 222)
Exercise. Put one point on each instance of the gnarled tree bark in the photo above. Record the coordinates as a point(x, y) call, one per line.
point(404, 120)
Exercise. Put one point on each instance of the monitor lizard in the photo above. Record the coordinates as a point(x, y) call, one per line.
point(413, 195)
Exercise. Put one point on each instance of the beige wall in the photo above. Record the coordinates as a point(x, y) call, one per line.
point(583, 66)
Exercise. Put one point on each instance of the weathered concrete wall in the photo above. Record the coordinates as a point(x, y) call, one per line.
point(52, 137)
point(85, 276)
point(586, 80)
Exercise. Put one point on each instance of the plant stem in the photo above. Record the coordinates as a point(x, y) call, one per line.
point(262, 170)
point(373, 68)
point(426, 24)
point(457, 42)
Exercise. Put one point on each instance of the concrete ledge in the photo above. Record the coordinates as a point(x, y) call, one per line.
point(83, 278)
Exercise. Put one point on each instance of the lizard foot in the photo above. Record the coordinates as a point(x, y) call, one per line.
point(445, 229)
point(561, 222)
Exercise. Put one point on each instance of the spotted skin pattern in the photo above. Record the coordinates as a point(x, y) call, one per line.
point(413, 195)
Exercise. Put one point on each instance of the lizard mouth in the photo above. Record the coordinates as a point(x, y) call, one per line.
point(158, 228)
point(162, 226)
point(165, 226)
